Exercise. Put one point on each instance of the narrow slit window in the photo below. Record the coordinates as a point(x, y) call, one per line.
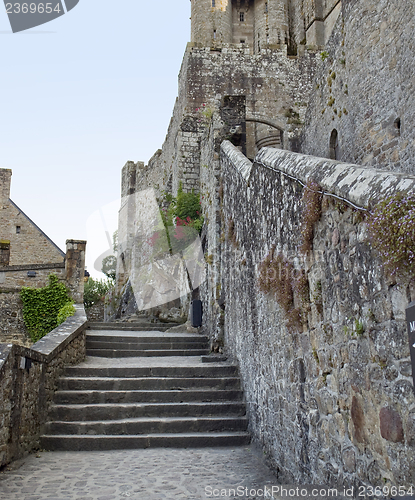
point(214, 34)
point(213, 3)
point(266, 7)
point(242, 17)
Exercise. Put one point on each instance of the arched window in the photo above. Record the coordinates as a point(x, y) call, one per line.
point(334, 145)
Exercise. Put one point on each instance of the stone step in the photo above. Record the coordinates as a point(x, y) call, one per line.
point(146, 383)
point(141, 387)
point(86, 412)
point(119, 353)
point(144, 337)
point(145, 346)
point(201, 371)
point(134, 327)
point(140, 426)
point(152, 396)
point(104, 442)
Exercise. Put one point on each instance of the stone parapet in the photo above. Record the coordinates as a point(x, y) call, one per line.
point(335, 388)
point(28, 378)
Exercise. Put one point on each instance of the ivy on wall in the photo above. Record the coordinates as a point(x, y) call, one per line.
point(42, 305)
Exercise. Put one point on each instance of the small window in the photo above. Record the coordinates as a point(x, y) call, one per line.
point(397, 125)
point(334, 145)
point(213, 3)
point(214, 34)
point(242, 41)
point(17, 229)
point(266, 7)
point(242, 16)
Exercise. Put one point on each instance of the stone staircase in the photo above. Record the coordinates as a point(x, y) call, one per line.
point(140, 388)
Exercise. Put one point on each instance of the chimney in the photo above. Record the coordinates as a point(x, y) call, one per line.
point(5, 182)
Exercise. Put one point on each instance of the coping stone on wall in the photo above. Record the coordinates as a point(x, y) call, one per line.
point(55, 341)
point(363, 186)
point(238, 159)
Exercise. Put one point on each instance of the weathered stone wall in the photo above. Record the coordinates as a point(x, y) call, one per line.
point(333, 403)
point(271, 82)
point(17, 276)
point(365, 88)
point(28, 379)
point(75, 269)
point(12, 327)
point(96, 312)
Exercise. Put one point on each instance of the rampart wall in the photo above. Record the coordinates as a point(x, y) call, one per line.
point(331, 402)
point(364, 89)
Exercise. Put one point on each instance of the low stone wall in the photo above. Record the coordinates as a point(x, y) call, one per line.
point(332, 402)
point(28, 378)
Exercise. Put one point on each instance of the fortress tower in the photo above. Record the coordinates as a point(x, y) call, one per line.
point(256, 24)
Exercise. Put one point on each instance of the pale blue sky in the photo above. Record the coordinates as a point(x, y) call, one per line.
point(81, 95)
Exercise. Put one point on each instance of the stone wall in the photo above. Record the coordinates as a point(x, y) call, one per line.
point(275, 89)
point(28, 243)
point(12, 327)
point(364, 89)
point(13, 278)
point(18, 276)
point(331, 402)
point(28, 379)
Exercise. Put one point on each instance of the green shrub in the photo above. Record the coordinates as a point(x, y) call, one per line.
point(42, 305)
point(65, 312)
point(95, 290)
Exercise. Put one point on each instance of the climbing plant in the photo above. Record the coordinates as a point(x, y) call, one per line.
point(42, 305)
point(65, 312)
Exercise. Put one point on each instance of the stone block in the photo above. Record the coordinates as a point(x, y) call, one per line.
point(391, 427)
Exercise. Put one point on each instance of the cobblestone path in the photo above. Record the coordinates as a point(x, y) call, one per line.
point(158, 473)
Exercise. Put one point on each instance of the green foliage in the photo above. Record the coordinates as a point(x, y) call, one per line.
point(182, 221)
point(42, 305)
point(65, 312)
point(95, 290)
point(324, 55)
point(311, 214)
point(359, 327)
point(392, 230)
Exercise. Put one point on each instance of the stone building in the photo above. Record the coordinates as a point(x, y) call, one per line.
point(27, 257)
point(22, 241)
point(262, 86)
